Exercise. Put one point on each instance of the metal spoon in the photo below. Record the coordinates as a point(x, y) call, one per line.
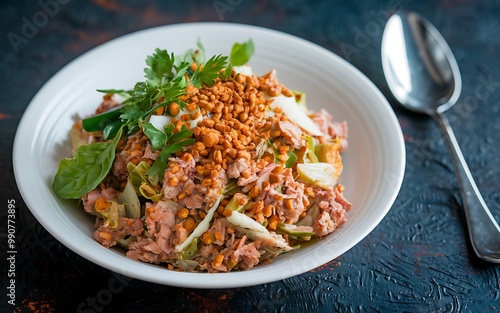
point(423, 76)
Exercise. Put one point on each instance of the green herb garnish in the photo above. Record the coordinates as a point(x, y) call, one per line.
point(157, 137)
point(167, 77)
point(241, 53)
point(82, 173)
point(210, 71)
point(174, 143)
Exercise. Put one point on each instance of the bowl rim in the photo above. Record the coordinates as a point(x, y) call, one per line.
point(232, 279)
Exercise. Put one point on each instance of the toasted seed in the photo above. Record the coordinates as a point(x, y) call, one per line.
point(182, 213)
point(173, 109)
point(211, 139)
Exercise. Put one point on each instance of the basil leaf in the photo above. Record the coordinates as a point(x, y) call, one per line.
point(100, 121)
point(109, 132)
point(156, 136)
point(81, 174)
point(241, 53)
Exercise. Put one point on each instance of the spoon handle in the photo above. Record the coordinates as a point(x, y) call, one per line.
point(484, 231)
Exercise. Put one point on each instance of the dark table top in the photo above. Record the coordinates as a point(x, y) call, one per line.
point(418, 259)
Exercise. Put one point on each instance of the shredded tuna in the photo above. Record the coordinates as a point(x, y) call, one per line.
point(245, 171)
point(218, 231)
point(247, 254)
point(89, 199)
point(177, 178)
point(163, 233)
point(239, 150)
point(109, 102)
point(291, 202)
point(209, 194)
point(193, 201)
point(120, 166)
point(294, 192)
point(334, 207)
point(148, 152)
point(323, 120)
point(324, 224)
point(160, 219)
point(292, 134)
point(109, 237)
point(146, 250)
point(235, 169)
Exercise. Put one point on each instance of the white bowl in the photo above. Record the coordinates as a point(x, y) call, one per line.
point(373, 164)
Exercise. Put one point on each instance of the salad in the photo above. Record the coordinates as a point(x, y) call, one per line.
point(205, 166)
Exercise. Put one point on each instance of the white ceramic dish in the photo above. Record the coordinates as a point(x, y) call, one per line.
point(373, 164)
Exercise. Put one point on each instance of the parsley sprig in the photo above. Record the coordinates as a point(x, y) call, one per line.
point(166, 79)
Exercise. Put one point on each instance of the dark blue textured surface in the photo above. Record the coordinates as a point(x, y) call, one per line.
point(417, 260)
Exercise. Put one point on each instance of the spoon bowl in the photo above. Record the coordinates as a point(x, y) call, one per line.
point(423, 76)
point(420, 68)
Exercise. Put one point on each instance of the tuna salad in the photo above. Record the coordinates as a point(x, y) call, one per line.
point(206, 166)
